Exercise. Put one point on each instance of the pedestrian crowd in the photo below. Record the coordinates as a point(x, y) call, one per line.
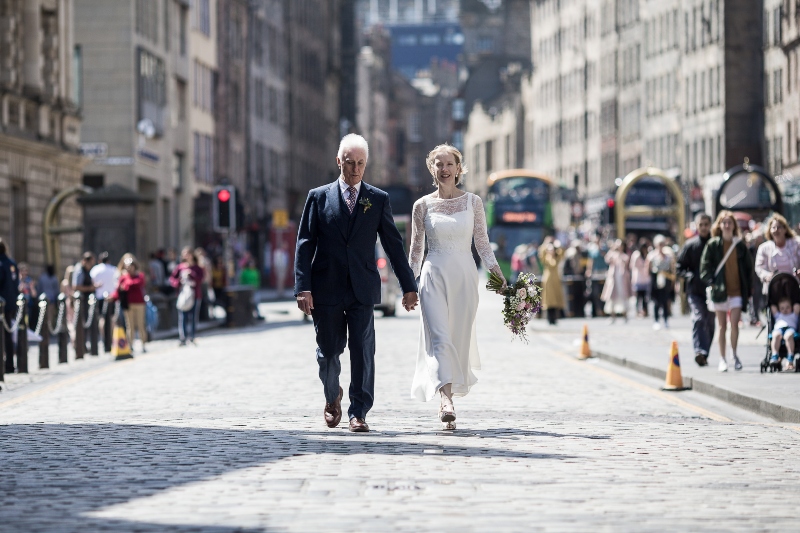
point(727, 265)
point(193, 282)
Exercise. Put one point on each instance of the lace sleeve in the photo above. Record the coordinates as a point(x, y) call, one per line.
point(481, 235)
point(417, 237)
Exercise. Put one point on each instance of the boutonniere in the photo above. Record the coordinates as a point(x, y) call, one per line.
point(366, 203)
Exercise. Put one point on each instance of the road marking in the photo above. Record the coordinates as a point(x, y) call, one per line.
point(71, 381)
point(649, 390)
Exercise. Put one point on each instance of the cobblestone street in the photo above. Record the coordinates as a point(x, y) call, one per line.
point(229, 436)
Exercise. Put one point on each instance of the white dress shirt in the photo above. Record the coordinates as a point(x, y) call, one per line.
point(344, 186)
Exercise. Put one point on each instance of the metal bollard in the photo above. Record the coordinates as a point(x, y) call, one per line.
point(2, 342)
point(22, 336)
point(108, 323)
point(94, 326)
point(80, 334)
point(44, 344)
point(63, 330)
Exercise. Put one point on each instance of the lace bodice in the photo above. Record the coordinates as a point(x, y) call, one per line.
point(437, 221)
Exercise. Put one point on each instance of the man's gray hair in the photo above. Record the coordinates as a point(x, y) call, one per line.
point(699, 217)
point(352, 140)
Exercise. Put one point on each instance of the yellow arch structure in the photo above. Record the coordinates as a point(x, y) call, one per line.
point(623, 212)
point(50, 232)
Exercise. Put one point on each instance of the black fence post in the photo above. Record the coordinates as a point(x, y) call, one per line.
point(22, 335)
point(94, 326)
point(44, 344)
point(80, 334)
point(108, 323)
point(63, 330)
point(2, 341)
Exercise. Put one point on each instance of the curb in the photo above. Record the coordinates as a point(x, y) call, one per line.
point(750, 403)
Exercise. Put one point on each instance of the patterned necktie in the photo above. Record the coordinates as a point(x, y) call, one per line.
point(351, 200)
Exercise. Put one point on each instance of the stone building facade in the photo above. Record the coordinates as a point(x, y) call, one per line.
point(231, 102)
point(312, 30)
point(267, 117)
point(135, 89)
point(40, 126)
point(197, 171)
point(657, 83)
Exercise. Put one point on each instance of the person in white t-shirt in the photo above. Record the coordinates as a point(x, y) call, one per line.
point(104, 277)
point(785, 328)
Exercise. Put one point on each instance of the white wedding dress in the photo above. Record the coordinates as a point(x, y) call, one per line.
point(448, 291)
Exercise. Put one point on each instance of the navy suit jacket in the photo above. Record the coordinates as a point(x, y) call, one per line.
point(331, 247)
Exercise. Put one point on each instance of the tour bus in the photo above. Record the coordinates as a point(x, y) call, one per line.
point(523, 206)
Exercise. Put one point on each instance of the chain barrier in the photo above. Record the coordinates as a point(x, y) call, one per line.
point(77, 312)
point(20, 307)
point(42, 313)
point(90, 317)
point(62, 311)
point(104, 309)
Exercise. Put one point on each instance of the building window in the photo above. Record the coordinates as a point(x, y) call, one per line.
point(235, 103)
point(77, 76)
point(259, 97)
point(489, 156)
point(203, 87)
point(182, 31)
point(180, 96)
point(414, 127)
point(203, 158)
point(458, 109)
point(201, 18)
point(273, 105)
point(167, 27)
point(152, 84)
point(177, 170)
point(147, 19)
point(235, 35)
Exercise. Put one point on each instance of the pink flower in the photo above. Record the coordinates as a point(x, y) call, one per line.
point(522, 293)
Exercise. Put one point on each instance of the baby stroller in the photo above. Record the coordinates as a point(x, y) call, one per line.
point(781, 285)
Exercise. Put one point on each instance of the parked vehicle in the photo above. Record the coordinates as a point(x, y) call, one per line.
point(390, 286)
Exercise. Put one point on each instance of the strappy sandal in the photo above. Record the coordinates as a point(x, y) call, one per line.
point(448, 426)
point(447, 416)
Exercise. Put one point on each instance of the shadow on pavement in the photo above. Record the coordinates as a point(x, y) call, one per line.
point(53, 475)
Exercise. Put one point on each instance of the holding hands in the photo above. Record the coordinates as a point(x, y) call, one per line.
point(410, 301)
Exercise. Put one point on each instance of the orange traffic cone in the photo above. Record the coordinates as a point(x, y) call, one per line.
point(585, 352)
point(674, 379)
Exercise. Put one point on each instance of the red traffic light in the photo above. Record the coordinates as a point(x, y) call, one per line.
point(224, 195)
point(610, 203)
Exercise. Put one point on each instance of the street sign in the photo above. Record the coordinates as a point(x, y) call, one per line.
point(94, 150)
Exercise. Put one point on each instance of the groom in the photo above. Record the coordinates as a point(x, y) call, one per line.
point(337, 279)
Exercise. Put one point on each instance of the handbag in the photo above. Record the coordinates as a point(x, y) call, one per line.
point(736, 241)
point(185, 298)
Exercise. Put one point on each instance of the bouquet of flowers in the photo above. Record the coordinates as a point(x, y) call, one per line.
point(522, 301)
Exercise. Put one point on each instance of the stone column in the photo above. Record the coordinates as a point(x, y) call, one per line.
point(32, 38)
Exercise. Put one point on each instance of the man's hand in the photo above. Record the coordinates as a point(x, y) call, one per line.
point(305, 302)
point(410, 300)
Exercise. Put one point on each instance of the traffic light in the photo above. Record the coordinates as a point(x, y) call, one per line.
point(610, 210)
point(224, 208)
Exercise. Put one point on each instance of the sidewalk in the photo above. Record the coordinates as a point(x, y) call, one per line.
point(637, 346)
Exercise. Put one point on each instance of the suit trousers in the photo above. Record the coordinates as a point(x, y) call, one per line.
point(332, 324)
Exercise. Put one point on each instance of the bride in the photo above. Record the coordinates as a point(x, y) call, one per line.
point(448, 289)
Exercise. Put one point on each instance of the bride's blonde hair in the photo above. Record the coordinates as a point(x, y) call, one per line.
point(430, 161)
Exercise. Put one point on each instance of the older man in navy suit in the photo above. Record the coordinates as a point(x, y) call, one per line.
point(337, 280)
